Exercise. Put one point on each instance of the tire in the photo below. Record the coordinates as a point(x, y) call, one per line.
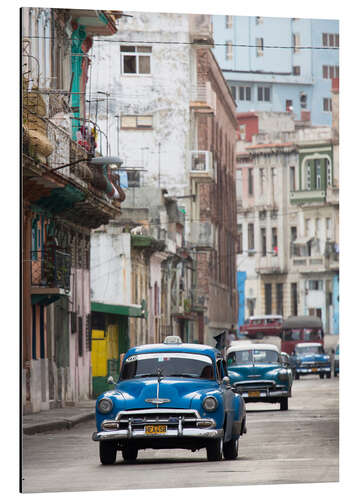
point(284, 404)
point(335, 374)
point(297, 376)
point(321, 375)
point(230, 449)
point(129, 454)
point(328, 375)
point(108, 452)
point(214, 450)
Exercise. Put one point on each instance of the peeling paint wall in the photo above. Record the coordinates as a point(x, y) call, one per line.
point(164, 94)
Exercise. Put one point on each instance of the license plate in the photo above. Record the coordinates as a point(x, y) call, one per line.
point(155, 429)
point(253, 394)
point(314, 369)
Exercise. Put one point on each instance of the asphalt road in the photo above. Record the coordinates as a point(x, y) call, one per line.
point(300, 445)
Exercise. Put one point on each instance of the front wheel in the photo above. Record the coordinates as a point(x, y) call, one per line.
point(129, 454)
point(297, 376)
point(214, 450)
point(107, 452)
point(284, 404)
point(230, 449)
point(321, 375)
point(328, 375)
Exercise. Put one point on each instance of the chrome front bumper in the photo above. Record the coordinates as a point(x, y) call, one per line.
point(305, 370)
point(170, 433)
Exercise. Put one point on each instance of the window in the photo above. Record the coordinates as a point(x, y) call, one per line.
point(294, 300)
point(296, 42)
point(260, 46)
point(250, 237)
point(296, 70)
point(263, 241)
point(293, 233)
point(318, 174)
point(244, 93)
point(280, 298)
point(136, 122)
point(315, 285)
point(329, 173)
point(328, 228)
point(330, 72)
point(289, 105)
point(292, 179)
point(327, 104)
point(229, 50)
point(133, 178)
point(240, 239)
point(261, 180)
point(330, 40)
point(308, 176)
point(264, 94)
point(267, 297)
point(303, 101)
point(229, 22)
point(250, 182)
point(274, 240)
point(135, 60)
point(242, 131)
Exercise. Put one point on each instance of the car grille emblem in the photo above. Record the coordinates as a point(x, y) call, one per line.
point(157, 401)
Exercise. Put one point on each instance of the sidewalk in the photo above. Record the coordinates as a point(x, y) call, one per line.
point(58, 418)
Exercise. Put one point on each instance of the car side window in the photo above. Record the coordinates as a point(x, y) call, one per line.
point(224, 366)
point(219, 369)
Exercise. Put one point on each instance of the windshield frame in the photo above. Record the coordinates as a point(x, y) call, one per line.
point(167, 354)
point(252, 360)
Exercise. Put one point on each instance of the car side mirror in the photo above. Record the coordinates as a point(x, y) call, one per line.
point(226, 380)
point(110, 380)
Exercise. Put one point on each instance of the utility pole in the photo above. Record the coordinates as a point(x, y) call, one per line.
point(117, 117)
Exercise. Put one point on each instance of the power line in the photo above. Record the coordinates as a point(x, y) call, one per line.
point(174, 42)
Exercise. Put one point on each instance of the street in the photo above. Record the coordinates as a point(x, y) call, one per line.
point(297, 446)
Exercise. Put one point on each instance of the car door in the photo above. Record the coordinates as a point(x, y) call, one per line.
point(228, 398)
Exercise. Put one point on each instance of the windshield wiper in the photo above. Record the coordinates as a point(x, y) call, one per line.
point(189, 375)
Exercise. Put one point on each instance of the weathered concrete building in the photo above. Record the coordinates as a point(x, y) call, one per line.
point(173, 117)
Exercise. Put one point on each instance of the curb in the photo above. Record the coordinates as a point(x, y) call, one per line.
point(65, 423)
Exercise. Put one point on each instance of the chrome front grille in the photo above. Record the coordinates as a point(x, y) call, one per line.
point(172, 418)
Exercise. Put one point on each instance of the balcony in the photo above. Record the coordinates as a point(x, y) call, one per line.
point(198, 298)
point(309, 264)
point(50, 275)
point(300, 197)
point(203, 98)
point(201, 166)
point(202, 235)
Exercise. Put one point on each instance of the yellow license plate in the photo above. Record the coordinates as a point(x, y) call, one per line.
point(314, 369)
point(155, 429)
point(253, 394)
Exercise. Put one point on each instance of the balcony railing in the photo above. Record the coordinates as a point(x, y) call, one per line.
point(307, 196)
point(203, 97)
point(51, 269)
point(201, 166)
point(202, 235)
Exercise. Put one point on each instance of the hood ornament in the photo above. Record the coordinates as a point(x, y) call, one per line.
point(158, 401)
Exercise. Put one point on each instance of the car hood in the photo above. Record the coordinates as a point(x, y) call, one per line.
point(254, 372)
point(180, 392)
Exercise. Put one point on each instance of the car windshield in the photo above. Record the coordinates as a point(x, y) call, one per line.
point(312, 335)
point(249, 356)
point(168, 364)
point(310, 349)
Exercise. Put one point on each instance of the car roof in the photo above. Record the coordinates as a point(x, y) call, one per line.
point(302, 322)
point(266, 316)
point(191, 348)
point(308, 344)
point(246, 347)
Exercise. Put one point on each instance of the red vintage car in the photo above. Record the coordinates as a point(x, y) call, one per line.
point(297, 329)
point(260, 326)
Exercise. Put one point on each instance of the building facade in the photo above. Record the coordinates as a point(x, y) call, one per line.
point(173, 118)
point(65, 196)
point(279, 64)
point(287, 223)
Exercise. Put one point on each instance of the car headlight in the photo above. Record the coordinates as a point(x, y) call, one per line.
point(105, 405)
point(210, 403)
point(283, 375)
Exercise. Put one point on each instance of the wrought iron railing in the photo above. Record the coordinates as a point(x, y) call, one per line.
point(51, 268)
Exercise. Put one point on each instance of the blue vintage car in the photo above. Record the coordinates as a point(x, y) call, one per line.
point(259, 373)
point(170, 395)
point(310, 358)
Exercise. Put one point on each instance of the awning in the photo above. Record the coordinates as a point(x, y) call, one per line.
point(302, 241)
point(132, 310)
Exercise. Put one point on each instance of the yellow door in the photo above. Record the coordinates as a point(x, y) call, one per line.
point(99, 353)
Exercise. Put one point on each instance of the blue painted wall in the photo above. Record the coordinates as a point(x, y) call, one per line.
point(241, 277)
point(275, 67)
